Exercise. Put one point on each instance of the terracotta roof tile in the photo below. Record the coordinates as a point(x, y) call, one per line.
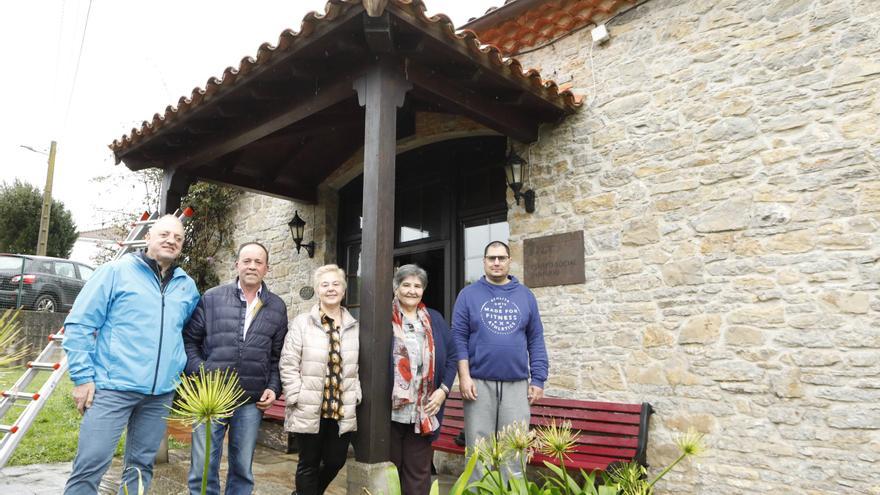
point(314, 22)
point(543, 22)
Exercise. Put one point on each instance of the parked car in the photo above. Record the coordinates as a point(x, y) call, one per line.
point(46, 284)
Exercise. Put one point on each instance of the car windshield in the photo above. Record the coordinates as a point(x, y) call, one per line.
point(10, 263)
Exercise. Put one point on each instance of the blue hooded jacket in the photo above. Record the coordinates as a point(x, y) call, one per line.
point(124, 330)
point(497, 328)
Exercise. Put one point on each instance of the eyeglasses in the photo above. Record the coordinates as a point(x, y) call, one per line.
point(494, 259)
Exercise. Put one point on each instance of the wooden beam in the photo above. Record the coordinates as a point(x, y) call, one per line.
point(324, 97)
point(174, 187)
point(261, 90)
point(456, 98)
point(379, 33)
point(315, 156)
point(230, 109)
point(176, 140)
point(213, 126)
point(409, 44)
point(382, 90)
point(298, 191)
point(298, 133)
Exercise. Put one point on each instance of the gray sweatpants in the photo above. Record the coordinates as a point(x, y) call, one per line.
point(498, 404)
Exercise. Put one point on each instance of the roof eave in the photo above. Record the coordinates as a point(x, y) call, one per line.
point(497, 16)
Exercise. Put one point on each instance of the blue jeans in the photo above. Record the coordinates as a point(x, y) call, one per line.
point(141, 416)
point(243, 427)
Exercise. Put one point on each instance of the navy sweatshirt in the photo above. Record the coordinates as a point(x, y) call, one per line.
point(497, 328)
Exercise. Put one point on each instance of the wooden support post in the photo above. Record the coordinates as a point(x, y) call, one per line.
point(175, 185)
point(382, 91)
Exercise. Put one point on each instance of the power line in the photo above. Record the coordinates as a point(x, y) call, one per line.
point(58, 60)
point(76, 70)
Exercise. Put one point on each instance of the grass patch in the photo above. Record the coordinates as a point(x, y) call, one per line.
point(54, 433)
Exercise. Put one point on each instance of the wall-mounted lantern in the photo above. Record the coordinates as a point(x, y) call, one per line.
point(297, 227)
point(517, 171)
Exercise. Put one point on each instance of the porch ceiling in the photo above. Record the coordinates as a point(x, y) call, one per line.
point(281, 123)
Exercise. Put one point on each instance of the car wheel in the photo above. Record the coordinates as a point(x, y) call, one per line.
point(46, 303)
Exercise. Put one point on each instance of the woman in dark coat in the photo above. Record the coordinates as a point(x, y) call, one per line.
point(423, 368)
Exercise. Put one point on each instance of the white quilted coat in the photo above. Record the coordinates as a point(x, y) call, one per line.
point(303, 367)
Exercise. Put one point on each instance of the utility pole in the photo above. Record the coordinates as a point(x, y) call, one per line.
point(46, 213)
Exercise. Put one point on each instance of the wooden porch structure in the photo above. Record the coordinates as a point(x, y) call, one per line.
point(352, 78)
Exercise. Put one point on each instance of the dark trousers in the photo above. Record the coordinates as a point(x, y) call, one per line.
point(321, 456)
point(412, 454)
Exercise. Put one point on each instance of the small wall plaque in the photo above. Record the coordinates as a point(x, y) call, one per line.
point(306, 293)
point(554, 260)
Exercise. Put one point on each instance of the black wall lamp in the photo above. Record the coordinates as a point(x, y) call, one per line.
point(517, 171)
point(297, 226)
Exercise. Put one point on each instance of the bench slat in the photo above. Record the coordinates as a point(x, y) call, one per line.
point(626, 442)
point(609, 417)
point(276, 410)
point(596, 406)
point(592, 426)
point(455, 401)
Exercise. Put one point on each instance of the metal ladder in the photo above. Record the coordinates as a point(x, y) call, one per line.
point(53, 359)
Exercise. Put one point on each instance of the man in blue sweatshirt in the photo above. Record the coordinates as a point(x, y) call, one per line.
point(502, 359)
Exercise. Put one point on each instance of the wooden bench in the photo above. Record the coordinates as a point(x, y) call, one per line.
point(607, 432)
point(272, 433)
point(276, 410)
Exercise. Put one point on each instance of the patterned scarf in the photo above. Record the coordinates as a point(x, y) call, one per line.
point(402, 392)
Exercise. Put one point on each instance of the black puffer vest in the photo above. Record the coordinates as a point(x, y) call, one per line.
point(214, 337)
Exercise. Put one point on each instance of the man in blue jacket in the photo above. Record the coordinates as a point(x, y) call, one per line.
point(502, 359)
point(125, 353)
point(239, 326)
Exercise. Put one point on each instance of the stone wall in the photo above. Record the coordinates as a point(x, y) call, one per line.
point(35, 328)
point(264, 219)
point(725, 173)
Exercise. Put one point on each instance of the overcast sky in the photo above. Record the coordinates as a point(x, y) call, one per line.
point(137, 57)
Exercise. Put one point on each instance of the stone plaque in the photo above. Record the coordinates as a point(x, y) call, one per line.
point(306, 293)
point(554, 260)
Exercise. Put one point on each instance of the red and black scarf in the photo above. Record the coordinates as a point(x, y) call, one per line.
point(403, 393)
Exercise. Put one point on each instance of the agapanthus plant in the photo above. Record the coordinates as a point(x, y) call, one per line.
point(204, 398)
point(9, 338)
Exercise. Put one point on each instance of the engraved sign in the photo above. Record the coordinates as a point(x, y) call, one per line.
point(554, 260)
point(306, 293)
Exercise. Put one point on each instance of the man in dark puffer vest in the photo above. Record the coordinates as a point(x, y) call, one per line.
point(238, 326)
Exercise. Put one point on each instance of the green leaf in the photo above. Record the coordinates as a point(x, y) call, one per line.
point(553, 467)
point(608, 489)
point(462, 482)
point(140, 490)
point(393, 480)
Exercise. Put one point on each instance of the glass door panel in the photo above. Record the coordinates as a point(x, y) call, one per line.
point(433, 262)
point(477, 235)
point(353, 279)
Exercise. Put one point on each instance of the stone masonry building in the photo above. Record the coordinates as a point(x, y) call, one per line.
point(724, 168)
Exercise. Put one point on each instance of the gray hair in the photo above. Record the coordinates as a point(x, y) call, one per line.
point(406, 271)
point(321, 270)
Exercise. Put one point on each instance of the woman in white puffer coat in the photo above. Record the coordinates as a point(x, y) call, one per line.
point(319, 373)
